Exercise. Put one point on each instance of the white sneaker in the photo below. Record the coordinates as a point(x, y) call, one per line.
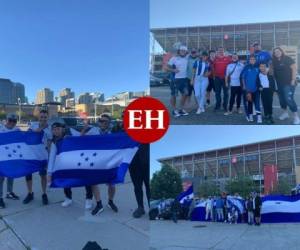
point(259, 119)
point(203, 110)
point(67, 202)
point(183, 112)
point(198, 111)
point(296, 120)
point(228, 113)
point(251, 118)
point(284, 116)
point(88, 204)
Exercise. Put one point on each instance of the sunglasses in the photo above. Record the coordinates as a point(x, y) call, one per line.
point(103, 121)
point(12, 120)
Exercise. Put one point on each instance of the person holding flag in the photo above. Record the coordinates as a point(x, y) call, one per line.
point(40, 126)
point(10, 126)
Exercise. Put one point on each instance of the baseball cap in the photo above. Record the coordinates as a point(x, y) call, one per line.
point(255, 44)
point(182, 47)
point(11, 116)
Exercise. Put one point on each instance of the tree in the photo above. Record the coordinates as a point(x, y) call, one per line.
point(242, 185)
point(283, 187)
point(165, 183)
point(208, 188)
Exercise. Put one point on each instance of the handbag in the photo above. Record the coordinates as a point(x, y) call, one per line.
point(229, 76)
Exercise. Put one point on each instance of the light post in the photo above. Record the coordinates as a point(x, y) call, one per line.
point(112, 107)
point(19, 102)
point(95, 110)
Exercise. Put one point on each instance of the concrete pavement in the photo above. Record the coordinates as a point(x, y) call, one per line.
point(214, 118)
point(53, 227)
point(187, 235)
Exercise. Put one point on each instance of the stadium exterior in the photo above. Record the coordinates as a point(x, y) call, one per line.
point(248, 160)
point(235, 38)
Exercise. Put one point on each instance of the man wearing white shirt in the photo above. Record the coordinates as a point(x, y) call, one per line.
point(10, 126)
point(232, 79)
point(178, 66)
point(40, 126)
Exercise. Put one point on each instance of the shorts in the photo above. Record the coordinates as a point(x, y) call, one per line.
point(181, 85)
point(256, 212)
point(211, 85)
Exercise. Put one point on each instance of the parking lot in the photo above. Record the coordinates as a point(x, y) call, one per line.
point(187, 235)
point(214, 118)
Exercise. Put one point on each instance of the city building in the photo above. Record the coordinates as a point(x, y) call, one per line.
point(70, 103)
point(10, 92)
point(250, 160)
point(235, 38)
point(85, 98)
point(44, 96)
point(65, 94)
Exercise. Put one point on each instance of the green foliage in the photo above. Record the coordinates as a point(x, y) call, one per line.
point(242, 185)
point(208, 188)
point(165, 183)
point(283, 187)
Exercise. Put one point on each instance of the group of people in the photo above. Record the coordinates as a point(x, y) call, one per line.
point(250, 82)
point(223, 209)
point(54, 133)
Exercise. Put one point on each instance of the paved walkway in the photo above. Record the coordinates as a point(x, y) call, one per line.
point(52, 227)
point(186, 235)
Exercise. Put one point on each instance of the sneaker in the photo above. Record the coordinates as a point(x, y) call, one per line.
point(112, 206)
point(138, 213)
point(208, 102)
point(259, 119)
point(2, 204)
point(228, 113)
point(98, 209)
point(45, 199)
point(247, 118)
point(12, 196)
point(183, 112)
point(251, 118)
point(67, 202)
point(28, 198)
point(203, 110)
point(239, 111)
point(296, 120)
point(175, 113)
point(284, 116)
point(88, 204)
point(198, 111)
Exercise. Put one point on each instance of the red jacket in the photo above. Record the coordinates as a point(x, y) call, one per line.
point(220, 65)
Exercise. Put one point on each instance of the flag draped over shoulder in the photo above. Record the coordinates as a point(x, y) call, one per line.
point(21, 153)
point(94, 159)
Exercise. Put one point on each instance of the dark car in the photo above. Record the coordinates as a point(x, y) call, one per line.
point(155, 81)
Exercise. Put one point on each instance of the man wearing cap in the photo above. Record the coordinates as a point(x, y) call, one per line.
point(103, 129)
point(10, 126)
point(178, 65)
point(41, 125)
point(261, 56)
point(220, 64)
point(191, 61)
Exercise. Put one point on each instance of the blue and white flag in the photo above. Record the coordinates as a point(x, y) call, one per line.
point(21, 153)
point(237, 202)
point(186, 196)
point(281, 208)
point(94, 159)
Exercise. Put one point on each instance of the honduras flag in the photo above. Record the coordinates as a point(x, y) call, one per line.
point(186, 196)
point(21, 153)
point(92, 159)
point(280, 208)
point(237, 202)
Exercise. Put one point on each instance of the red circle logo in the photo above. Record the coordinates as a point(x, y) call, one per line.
point(146, 120)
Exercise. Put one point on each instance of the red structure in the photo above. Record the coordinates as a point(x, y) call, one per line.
point(270, 178)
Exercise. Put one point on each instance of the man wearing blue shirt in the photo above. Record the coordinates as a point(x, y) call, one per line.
point(261, 56)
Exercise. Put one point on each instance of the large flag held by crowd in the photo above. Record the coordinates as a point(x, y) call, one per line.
point(95, 159)
point(275, 208)
point(186, 196)
point(21, 153)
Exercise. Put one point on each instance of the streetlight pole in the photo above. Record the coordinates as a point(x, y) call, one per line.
point(19, 102)
point(95, 109)
point(112, 107)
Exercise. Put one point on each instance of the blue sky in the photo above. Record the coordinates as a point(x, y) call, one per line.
point(88, 45)
point(177, 13)
point(189, 139)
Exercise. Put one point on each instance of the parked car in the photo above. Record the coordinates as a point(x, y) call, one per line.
point(155, 81)
point(298, 78)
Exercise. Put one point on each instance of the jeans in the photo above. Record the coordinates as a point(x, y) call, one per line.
point(200, 88)
point(9, 182)
point(249, 104)
point(235, 95)
point(219, 86)
point(220, 214)
point(286, 97)
point(250, 217)
point(209, 214)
